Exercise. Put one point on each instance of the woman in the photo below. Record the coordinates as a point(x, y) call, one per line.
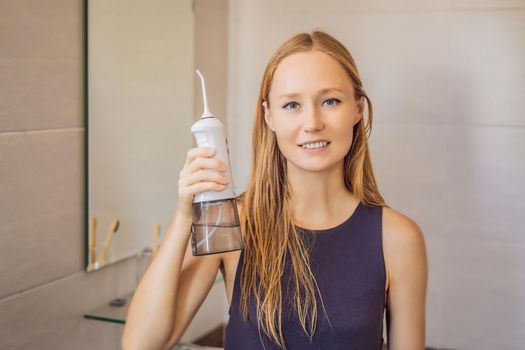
point(324, 255)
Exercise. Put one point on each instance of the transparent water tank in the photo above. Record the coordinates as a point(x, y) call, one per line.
point(216, 227)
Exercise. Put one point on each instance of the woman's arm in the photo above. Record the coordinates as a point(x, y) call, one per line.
point(408, 274)
point(170, 293)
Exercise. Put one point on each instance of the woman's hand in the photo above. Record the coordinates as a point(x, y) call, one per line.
point(201, 173)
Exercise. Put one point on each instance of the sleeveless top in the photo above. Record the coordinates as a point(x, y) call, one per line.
point(348, 264)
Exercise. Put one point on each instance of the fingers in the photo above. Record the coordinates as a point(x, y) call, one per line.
point(196, 188)
point(201, 173)
point(200, 158)
point(198, 152)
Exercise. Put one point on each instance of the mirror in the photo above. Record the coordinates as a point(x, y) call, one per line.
point(139, 110)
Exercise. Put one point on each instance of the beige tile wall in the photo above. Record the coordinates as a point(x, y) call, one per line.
point(44, 290)
point(447, 82)
point(211, 55)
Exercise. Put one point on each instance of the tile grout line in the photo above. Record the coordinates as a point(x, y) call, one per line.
point(42, 131)
point(38, 286)
point(425, 11)
point(30, 289)
point(478, 125)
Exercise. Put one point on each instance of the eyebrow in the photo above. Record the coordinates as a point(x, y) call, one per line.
point(323, 91)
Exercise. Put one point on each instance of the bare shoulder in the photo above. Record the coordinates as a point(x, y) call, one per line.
point(404, 242)
point(399, 228)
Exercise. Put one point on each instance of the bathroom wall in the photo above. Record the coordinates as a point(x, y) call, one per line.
point(211, 56)
point(44, 290)
point(447, 82)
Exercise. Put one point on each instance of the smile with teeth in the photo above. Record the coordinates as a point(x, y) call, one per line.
point(315, 145)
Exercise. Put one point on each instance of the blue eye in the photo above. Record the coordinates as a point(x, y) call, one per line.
point(332, 101)
point(291, 105)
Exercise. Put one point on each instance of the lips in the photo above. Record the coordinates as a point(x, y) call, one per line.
point(314, 141)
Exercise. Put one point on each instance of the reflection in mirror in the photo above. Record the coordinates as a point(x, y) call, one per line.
point(139, 114)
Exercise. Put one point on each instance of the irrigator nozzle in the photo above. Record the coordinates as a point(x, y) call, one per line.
point(207, 113)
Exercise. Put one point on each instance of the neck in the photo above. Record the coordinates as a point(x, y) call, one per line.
point(319, 198)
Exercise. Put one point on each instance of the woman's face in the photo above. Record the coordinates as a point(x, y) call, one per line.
point(312, 100)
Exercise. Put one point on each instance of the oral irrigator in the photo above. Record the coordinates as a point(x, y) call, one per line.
point(215, 226)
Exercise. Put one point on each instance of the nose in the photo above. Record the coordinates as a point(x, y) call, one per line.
point(313, 120)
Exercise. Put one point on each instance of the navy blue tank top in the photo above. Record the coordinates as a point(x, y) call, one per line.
point(348, 264)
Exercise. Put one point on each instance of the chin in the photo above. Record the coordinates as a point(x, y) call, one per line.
point(314, 166)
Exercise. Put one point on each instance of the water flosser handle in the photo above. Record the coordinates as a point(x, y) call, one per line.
point(212, 135)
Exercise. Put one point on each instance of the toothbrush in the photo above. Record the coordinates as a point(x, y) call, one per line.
point(103, 256)
point(93, 243)
point(156, 232)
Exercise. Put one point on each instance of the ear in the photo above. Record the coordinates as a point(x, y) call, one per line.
point(268, 116)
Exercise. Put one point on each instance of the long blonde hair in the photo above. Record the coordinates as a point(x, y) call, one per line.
point(267, 220)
